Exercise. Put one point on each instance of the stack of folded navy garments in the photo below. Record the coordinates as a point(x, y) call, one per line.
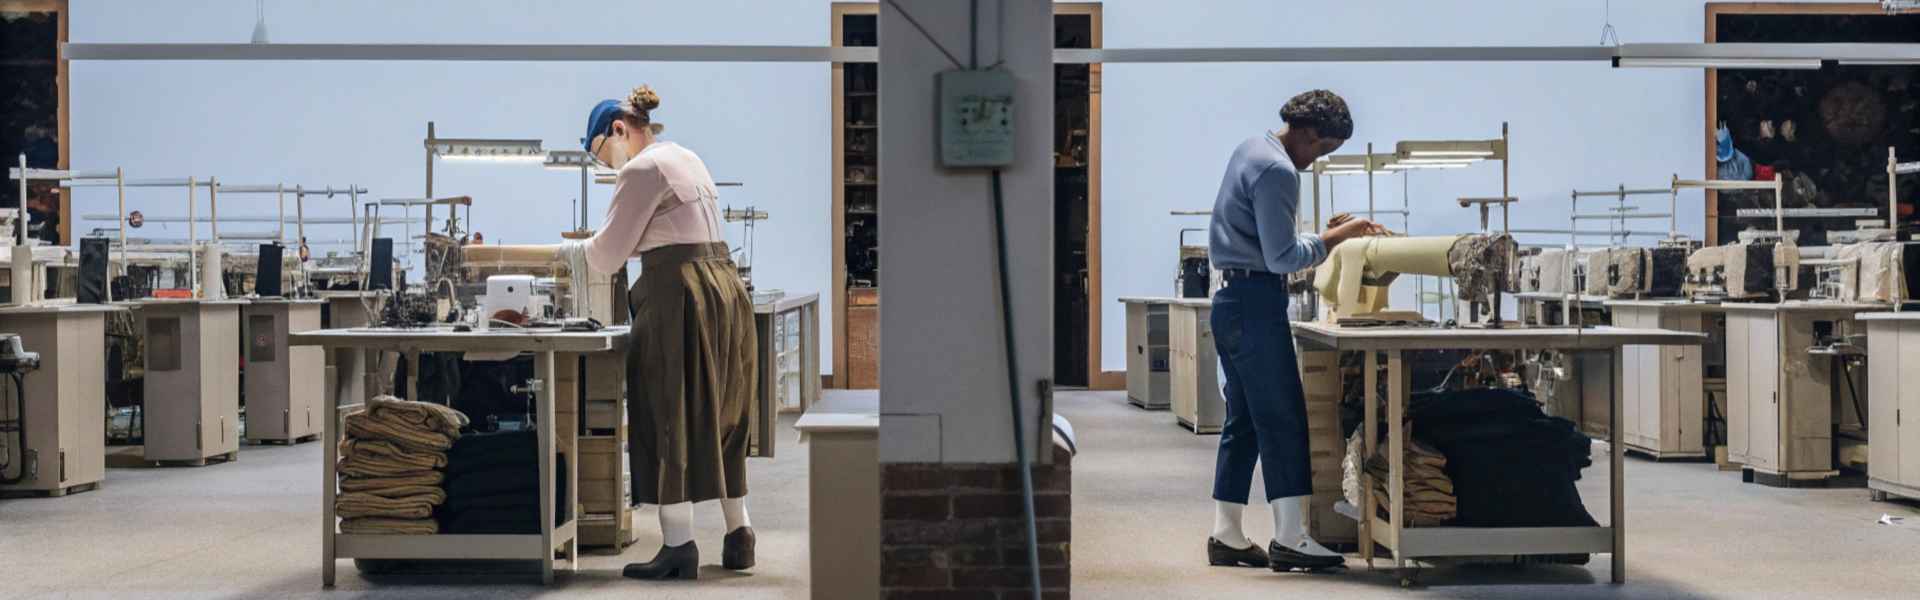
point(492, 485)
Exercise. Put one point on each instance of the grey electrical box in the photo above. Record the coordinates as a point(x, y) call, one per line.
point(976, 118)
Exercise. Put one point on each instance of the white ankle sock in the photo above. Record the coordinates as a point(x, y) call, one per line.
point(1290, 527)
point(676, 524)
point(1226, 525)
point(735, 510)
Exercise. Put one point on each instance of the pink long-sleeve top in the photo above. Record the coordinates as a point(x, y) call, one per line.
point(662, 197)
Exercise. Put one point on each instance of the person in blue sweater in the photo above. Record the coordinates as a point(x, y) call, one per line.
point(1255, 242)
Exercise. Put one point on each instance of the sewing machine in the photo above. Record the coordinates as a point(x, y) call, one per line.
point(1354, 282)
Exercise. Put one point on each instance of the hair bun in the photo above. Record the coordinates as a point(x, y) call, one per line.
point(644, 99)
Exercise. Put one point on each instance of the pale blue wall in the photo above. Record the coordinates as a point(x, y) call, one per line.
point(1169, 128)
point(362, 122)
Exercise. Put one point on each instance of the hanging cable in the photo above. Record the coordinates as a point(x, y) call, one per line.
point(923, 33)
point(1608, 35)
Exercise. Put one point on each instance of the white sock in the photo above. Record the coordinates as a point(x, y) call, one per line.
point(1290, 527)
point(676, 524)
point(735, 510)
point(1226, 525)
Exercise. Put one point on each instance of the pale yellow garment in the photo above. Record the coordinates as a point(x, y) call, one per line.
point(1342, 279)
point(389, 453)
point(363, 504)
point(385, 526)
point(361, 484)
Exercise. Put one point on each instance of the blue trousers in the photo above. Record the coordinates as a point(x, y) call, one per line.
point(1266, 406)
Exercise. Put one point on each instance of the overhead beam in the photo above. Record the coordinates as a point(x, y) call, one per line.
point(465, 52)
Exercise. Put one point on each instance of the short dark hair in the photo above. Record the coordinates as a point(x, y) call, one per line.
point(1321, 110)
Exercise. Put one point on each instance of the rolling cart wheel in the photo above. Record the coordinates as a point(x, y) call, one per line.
point(1877, 495)
point(1409, 577)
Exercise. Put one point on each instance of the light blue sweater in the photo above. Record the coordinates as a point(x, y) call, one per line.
point(1254, 214)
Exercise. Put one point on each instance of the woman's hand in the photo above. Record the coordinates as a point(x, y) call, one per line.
point(1343, 227)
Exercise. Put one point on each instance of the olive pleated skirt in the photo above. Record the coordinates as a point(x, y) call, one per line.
point(690, 375)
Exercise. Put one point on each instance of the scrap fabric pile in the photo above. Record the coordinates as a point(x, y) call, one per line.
point(492, 485)
point(390, 466)
point(1511, 465)
point(1480, 458)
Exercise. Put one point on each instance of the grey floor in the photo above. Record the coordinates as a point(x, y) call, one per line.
point(251, 529)
point(1142, 514)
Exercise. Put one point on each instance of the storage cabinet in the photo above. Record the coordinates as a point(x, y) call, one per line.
point(1780, 396)
point(193, 379)
point(1663, 397)
point(283, 384)
point(63, 445)
point(1148, 379)
point(1893, 346)
point(1195, 367)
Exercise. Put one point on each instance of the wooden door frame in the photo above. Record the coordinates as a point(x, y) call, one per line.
point(1714, 10)
point(1097, 378)
point(837, 180)
point(63, 15)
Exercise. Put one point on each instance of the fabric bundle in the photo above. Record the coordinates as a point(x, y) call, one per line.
point(390, 461)
point(1509, 463)
point(493, 485)
point(1429, 498)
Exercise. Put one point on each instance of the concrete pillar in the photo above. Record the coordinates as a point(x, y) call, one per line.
point(943, 388)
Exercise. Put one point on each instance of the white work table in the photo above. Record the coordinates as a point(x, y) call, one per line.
point(545, 343)
point(1423, 542)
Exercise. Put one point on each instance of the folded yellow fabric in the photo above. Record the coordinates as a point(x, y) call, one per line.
point(362, 484)
point(385, 526)
point(364, 504)
point(361, 467)
point(419, 415)
point(364, 425)
point(386, 452)
point(431, 493)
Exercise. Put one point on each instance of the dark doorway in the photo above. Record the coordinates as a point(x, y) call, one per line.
point(1072, 189)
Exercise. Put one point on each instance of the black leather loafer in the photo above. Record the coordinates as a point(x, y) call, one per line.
point(1282, 559)
point(736, 550)
point(672, 562)
point(1222, 555)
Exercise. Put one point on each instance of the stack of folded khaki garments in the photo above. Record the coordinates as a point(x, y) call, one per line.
point(390, 466)
point(1429, 492)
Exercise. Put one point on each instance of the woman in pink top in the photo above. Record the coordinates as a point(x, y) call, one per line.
point(691, 368)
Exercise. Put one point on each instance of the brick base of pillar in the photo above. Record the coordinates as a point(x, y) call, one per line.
point(954, 531)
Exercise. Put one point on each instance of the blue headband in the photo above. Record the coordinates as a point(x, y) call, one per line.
point(599, 120)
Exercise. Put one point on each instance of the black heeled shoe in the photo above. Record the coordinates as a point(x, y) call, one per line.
point(1222, 555)
point(736, 550)
point(1282, 559)
point(672, 562)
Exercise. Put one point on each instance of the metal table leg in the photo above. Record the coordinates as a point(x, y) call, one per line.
point(1617, 480)
point(350, 368)
point(1396, 454)
point(543, 401)
point(1371, 396)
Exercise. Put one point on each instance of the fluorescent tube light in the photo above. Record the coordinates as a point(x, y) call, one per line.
point(1720, 63)
point(568, 160)
point(479, 149)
